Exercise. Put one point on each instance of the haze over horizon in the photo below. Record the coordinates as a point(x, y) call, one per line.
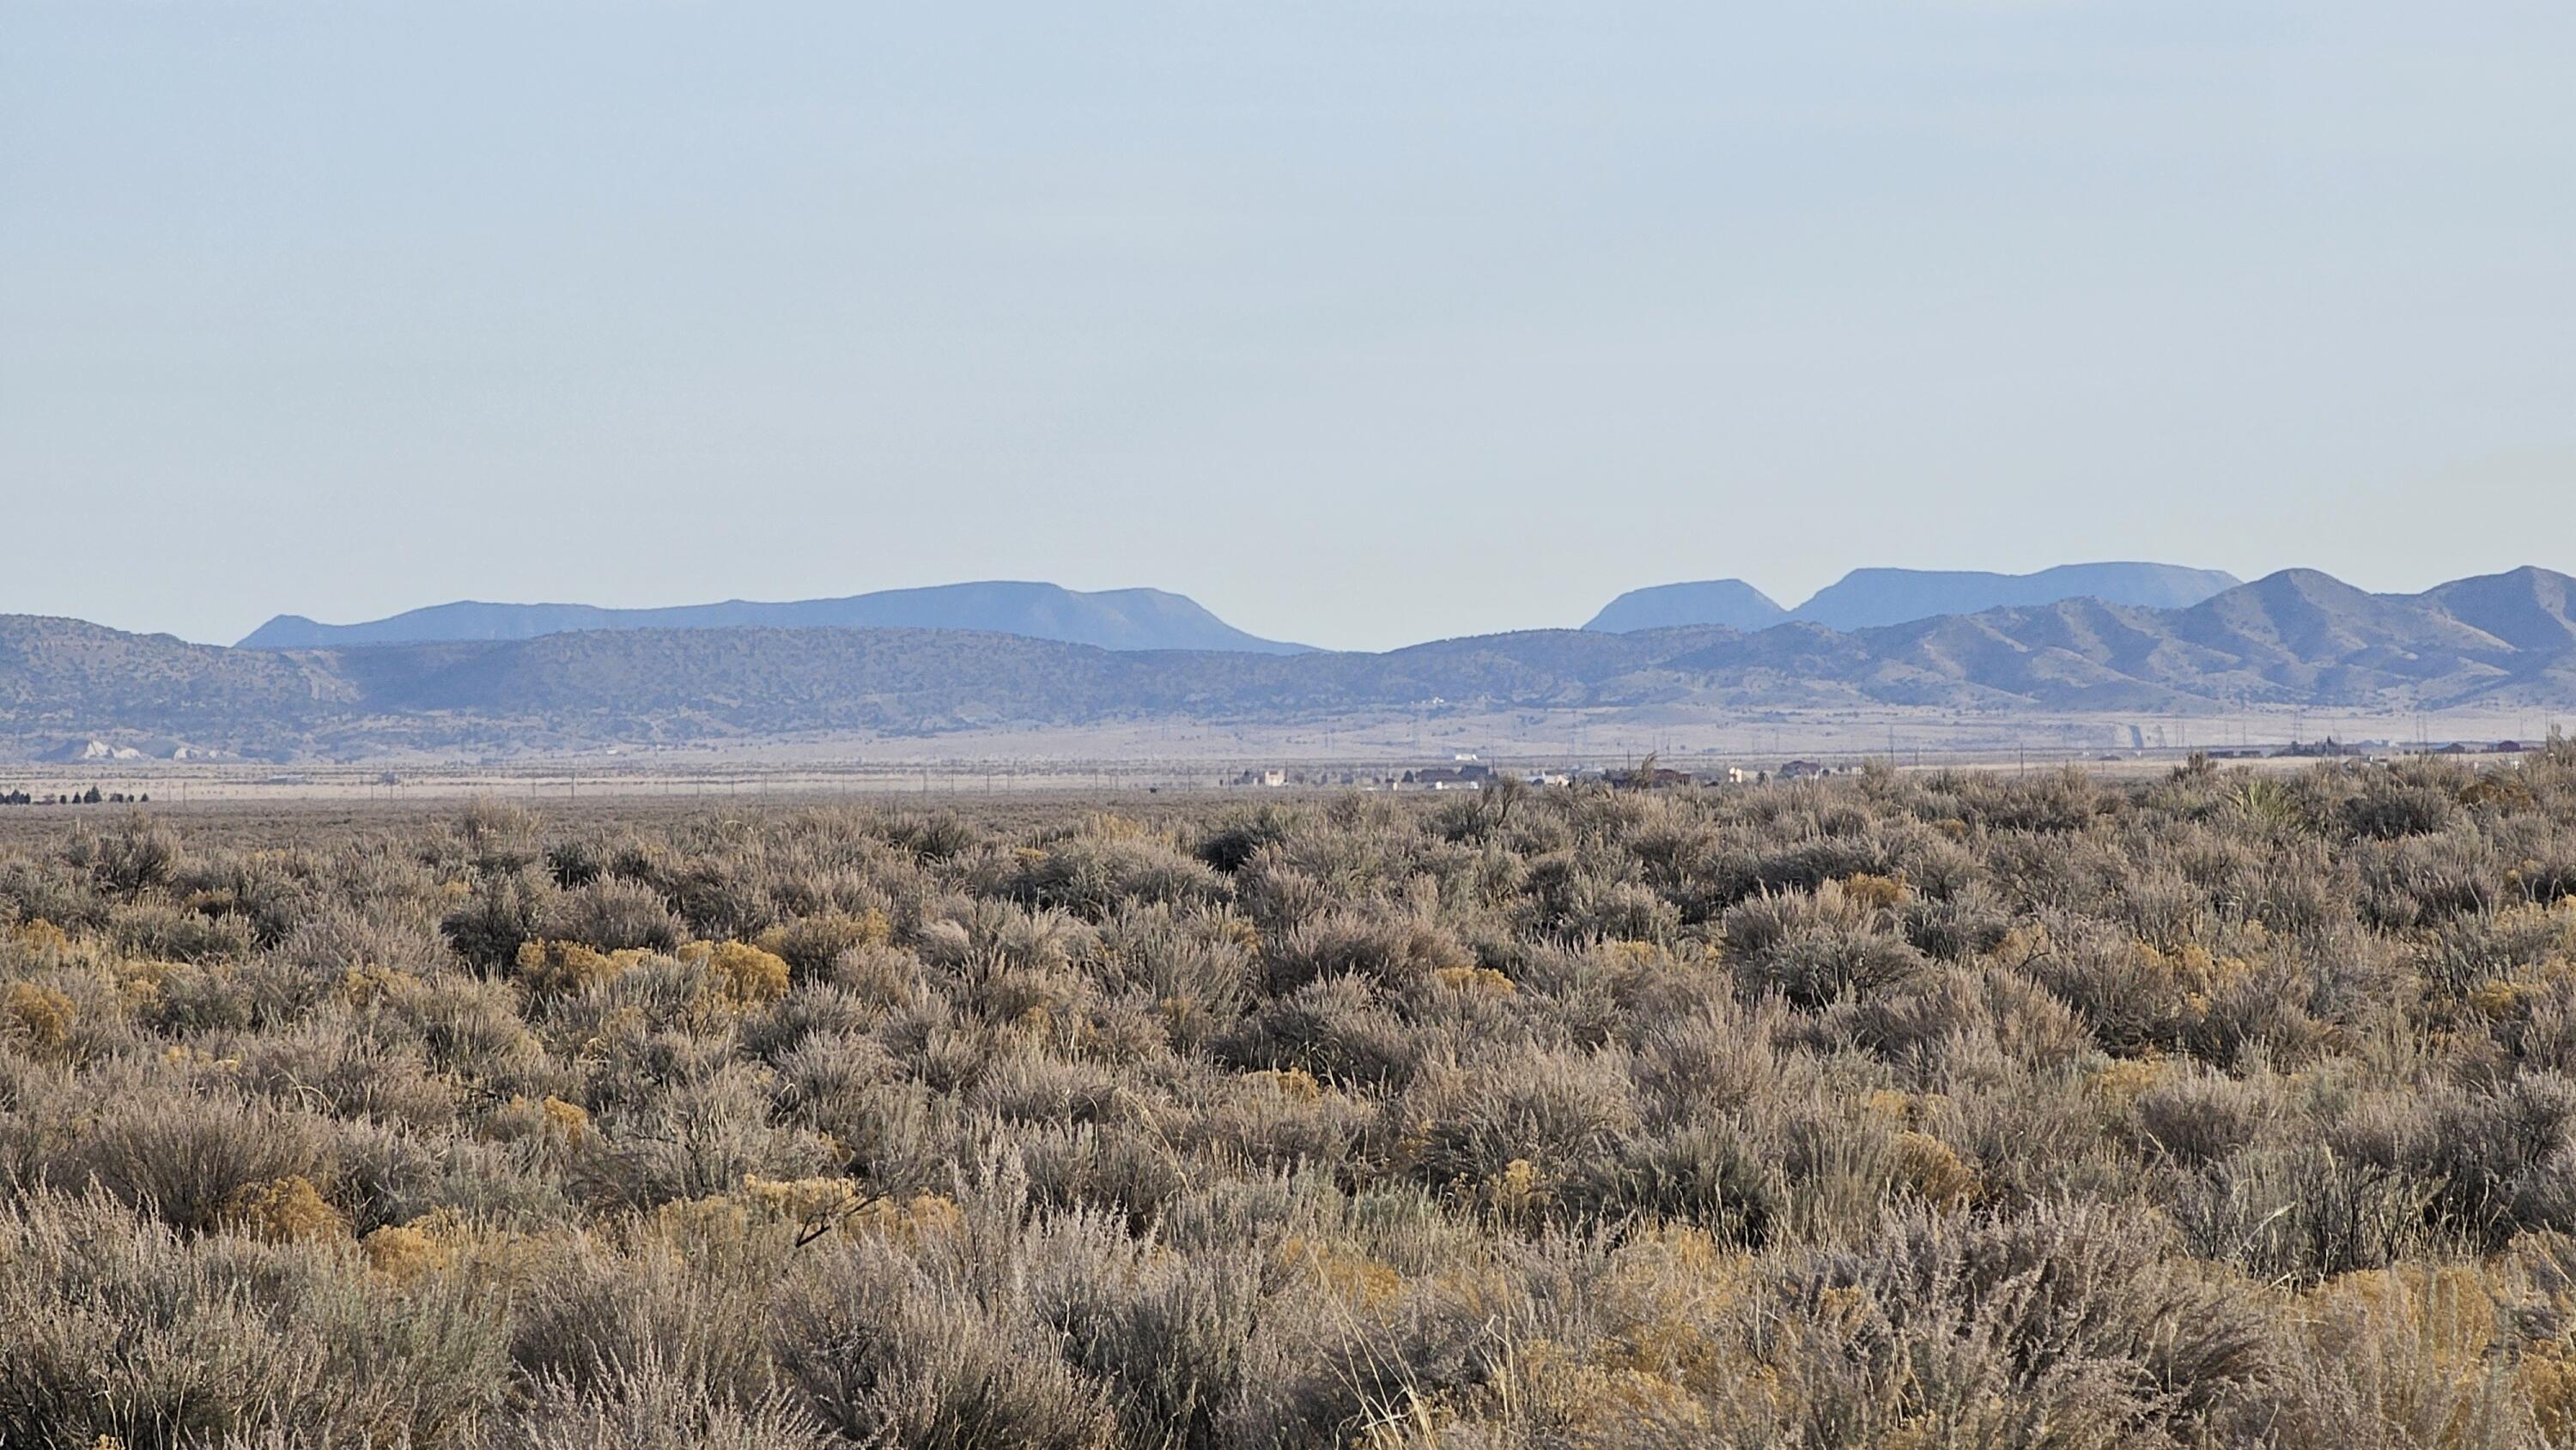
point(1358, 325)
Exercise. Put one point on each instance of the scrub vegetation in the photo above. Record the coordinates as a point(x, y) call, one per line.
point(1899, 1109)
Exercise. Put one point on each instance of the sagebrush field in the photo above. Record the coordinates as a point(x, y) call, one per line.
point(1924, 1110)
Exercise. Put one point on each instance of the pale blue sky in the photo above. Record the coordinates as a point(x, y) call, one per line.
point(1362, 323)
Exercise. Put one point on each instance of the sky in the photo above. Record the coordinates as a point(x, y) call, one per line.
point(1361, 323)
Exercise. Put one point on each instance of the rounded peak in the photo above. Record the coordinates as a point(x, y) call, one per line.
point(1729, 602)
point(2309, 582)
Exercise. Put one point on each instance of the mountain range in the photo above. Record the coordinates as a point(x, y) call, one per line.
point(2295, 637)
point(1151, 619)
point(1117, 619)
point(1869, 598)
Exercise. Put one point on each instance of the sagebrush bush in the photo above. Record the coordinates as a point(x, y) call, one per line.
point(1917, 1108)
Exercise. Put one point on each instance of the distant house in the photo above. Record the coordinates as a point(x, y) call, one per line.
point(1446, 777)
point(1742, 775)
point(1274, 777)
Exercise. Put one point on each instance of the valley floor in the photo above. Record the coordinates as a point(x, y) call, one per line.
point(1186, 755)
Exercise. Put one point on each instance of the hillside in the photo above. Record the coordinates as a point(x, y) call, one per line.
point(74, 676)
point(2296, 637)
point(1118, 619)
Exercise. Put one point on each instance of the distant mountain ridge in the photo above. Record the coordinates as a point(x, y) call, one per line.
point(1869, 598)
point(2295, 637)
point(1872, 598)
point(1114, 619)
